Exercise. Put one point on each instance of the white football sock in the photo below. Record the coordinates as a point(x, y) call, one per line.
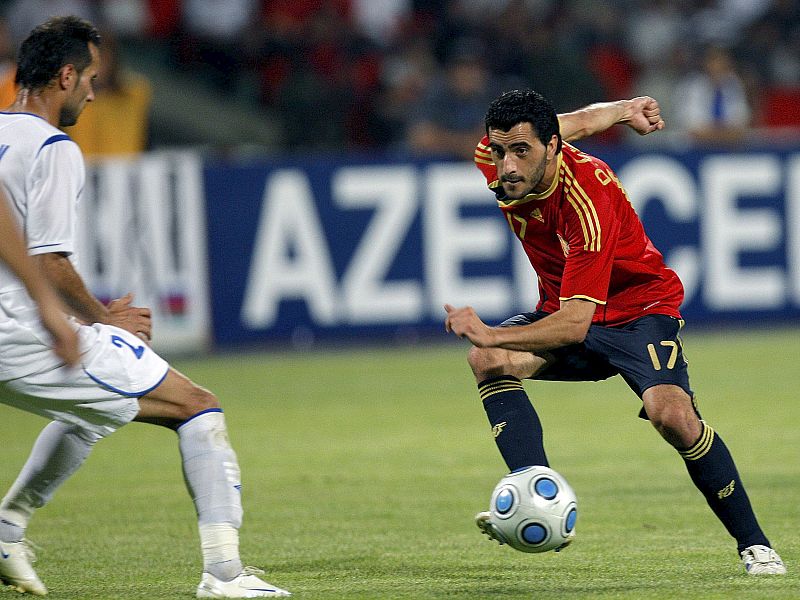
point(212, 476)
point(58, 452)
point(10, 532)
point(220, 546)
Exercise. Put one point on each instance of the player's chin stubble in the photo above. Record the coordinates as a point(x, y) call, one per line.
point(68, 116)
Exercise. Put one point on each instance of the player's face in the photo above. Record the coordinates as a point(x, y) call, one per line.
point(82, 92)
point(524, 164)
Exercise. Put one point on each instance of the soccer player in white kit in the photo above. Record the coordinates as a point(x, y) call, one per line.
point(120, 378)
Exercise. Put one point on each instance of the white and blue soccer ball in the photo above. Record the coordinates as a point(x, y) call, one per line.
point(534, 510)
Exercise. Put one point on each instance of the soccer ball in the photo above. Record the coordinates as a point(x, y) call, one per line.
point(533, 510)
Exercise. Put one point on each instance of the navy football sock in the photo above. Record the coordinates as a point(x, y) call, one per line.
point(713, 471)
point(515, 424)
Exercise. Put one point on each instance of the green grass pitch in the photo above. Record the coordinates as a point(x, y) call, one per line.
point(362, 471)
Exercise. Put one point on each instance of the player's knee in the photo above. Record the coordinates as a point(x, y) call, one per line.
point(87, 436)
point(199, 399)
point(676, 422)
point(487, 362)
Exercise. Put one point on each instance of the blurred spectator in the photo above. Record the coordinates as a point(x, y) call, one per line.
point(771, 49)
point(379, 20)
point(559, 72)
point(128, 19)
point(24, 15)
point(449, 117)
point(659, 79)
point(210, 38)
point(455, 20)
point(164, 17)
point(320, 73)
point(8, 67)
point(406, 74)
point(713, 104)
point(607, 59)
point(652, 30)
point(772, 42)
point(720, 22)
point(117, 121)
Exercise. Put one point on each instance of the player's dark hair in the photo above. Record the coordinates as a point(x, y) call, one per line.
point(57, 42)
point(524, 106)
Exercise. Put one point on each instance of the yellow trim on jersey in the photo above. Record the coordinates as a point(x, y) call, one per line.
point(586, 226)
point(578, 208)
point(582, 297)
point(587, 215)
point(542, 195)
point(483, 155)
point(593, 217)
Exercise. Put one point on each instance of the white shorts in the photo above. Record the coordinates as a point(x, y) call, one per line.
point(100, 395)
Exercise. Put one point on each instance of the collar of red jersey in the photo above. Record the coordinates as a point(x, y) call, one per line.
point(503, 202)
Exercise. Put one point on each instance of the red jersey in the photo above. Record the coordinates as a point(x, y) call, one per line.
point(585, 241)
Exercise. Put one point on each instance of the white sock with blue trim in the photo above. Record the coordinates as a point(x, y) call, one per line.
point(212, 476)
point(58, 452)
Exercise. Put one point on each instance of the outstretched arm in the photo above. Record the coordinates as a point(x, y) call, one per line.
point(51, 311)
point(642, 114)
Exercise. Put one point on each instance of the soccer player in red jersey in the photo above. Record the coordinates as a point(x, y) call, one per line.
point(608, 306)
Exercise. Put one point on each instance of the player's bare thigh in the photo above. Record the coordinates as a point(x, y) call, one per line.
point(495, 362)
point(177, 398)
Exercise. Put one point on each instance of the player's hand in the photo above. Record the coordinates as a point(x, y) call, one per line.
point(644, 115)
point(65, 338)
point(465, 323)
point(131, 318)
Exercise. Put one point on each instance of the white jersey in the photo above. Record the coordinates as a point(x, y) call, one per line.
point(42, 172)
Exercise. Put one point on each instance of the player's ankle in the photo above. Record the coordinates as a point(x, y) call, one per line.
point(224, 571)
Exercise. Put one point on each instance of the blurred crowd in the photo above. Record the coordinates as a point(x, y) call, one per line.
point(416, 75)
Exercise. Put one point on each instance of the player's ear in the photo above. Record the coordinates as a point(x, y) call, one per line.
point(67, 76)
point(552, 147)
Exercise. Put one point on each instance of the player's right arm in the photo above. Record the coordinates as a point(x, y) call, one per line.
point(68, 283)
point(51, 311)
point(566, 326)
point(642, 114)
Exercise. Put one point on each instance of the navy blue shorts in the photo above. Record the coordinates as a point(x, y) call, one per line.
point(645, 352)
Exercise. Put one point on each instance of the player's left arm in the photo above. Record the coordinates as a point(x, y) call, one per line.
point(81, 303)
point(50, 226)
point(566, 326)
point(642, 114)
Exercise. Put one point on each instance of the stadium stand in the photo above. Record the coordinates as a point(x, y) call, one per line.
point(271, 65)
